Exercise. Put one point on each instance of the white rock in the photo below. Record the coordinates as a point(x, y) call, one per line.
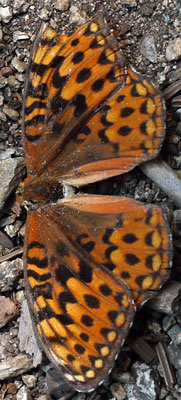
point(5, 14)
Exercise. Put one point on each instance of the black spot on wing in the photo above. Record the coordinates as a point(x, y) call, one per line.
point(79, 348)
point(91, 301)
point(40, 92)
point(131, 259)
point(84, 337)
point(109, 250)
point(124, 130)
point(59, 81)
point(102, 135)
point(78, 57)
point(125, 275)
point(63, 274)
point(149, 261)
point(130, 238)
point(143, 128)
point(56, 62)
point(75, 42)
point(58, 103)
point(80, 105)
point(148, 239)
point(98, 85)
point(143, 108)
point(87, 320)
point(83, 75)
point(120, 98)
point(126, 112)
point(70, 358)
point(105, 290)
point(85, 271)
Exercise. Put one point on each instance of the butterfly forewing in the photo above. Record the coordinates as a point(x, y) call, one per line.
point(64, 87)
point(81, 311)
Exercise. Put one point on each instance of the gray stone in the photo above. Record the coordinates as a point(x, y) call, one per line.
point(27, 337)
point(11, 172)
point(148, 49)
point(146, 383)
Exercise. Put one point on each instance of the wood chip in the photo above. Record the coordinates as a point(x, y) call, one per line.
point(168, 371)
point(172, 89)
point(144, 350)
point(11, 254)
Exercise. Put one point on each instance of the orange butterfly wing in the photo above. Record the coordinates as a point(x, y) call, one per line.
point(82, 98)
point(130, 239)
point(76, 258)
point(81, 311)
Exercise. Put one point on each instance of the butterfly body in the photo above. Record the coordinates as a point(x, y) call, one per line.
point(89, 260)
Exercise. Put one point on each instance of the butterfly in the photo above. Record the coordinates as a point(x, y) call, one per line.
point(89, 261)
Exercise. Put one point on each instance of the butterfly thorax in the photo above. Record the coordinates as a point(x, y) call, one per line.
point(40, 190)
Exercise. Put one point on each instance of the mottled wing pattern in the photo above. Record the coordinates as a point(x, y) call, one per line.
point(130, 239)
point(81, 311)
point(88, 115)
point(62, 90)
point(127, 130)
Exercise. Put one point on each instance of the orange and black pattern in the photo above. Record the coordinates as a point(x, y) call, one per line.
point(89, 261)
point(78, 83)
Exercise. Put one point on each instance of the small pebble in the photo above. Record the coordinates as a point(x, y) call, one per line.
point(12, 114)
point(29, 380)
point(62, 5)
point(130, 3)
point(118, 391)
point(19, 35)
point(174, 331)
point(20, 6)
point(5, 14)
point(76, 16)
point(18, 65)
point(173, 50)
point(23, 394)
point(148, 49)
point(44, 14)
point(167, 322)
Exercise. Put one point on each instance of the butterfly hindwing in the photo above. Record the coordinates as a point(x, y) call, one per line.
point(132, 240)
